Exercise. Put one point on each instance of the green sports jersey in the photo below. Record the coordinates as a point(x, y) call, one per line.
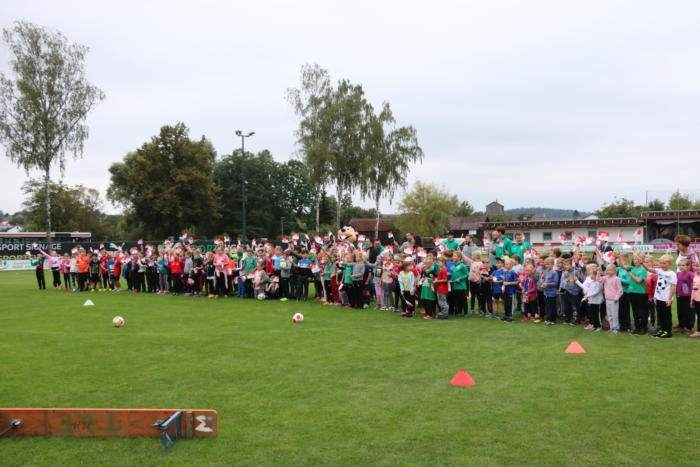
point(504, 250)
point(347, 276)
point(633, 286)
point(451, 245)
point(250, 262)
point(461, 272)
point(519, 249)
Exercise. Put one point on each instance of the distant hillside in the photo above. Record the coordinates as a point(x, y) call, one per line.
point(550, 213)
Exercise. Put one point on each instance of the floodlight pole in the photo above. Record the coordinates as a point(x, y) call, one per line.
point(243, 137)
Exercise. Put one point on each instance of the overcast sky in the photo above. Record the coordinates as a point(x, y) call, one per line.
point(562, 104)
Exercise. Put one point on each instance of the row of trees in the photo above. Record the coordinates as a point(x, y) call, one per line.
point(173, 183)
point(345, 143)
point(624, 207)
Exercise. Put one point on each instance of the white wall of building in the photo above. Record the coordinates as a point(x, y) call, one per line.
point(539, 237)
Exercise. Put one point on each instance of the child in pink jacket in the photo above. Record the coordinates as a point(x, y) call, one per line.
point(613, 291)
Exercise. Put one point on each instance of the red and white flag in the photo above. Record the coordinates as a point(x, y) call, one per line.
point(421, 253)
point(226, 239)
point(408, 250)
point(35, 245)
point(609, 257)
point(102, 246)
point(442, 248)
point(390, 234)
point(253, 242)
point(330, 234)
point(389, 248)
point(580, 240)
point(313, 250)
point(485, 240)
point(27, 253)
point(619, 236)
point(590, 240)
point(436, 240)
point(388, 266)
point(285, 240)
point(306, 236)
point(638, 235)
point(134, 250)
point(166, 242)
point(217, 241)
point(74, 250)
point(603, 236)
point(361, 238)
point(140, 241)
point(562, 238)
point(295, 236)
point(184, 235)
point(318, 239)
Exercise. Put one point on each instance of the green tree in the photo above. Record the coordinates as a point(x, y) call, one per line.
point(313, 134)
point(77, 208)
point(43, 109)
point(274, 191)
point(655, 205)
point(680, 201)
point(167, 184)
point(426, 210)
point(331, 133)
point(465, 209)
point(620, 208)
point(390, 151)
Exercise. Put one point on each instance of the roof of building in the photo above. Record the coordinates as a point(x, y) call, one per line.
point(492, 203)
point(467, 222)
point(564, 223)
point(368, 224)
point(682, 214)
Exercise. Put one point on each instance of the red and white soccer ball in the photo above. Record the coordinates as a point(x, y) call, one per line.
point(298, 318)
point(118, 322)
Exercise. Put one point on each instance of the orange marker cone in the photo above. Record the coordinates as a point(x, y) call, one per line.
point(462, 378)
point(575, 347)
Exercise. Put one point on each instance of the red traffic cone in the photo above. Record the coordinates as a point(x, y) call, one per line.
point(462, 378)
point(575, 347)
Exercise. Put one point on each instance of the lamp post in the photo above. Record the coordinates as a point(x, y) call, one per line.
point(243, 137)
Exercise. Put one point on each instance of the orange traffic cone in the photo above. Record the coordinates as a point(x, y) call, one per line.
point(462, 378)
point(575, 347)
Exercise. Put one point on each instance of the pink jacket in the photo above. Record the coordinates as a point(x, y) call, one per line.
point(611, 285)
point(696, 288)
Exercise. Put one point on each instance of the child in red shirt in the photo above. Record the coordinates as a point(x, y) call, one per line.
point(176, 264)
point(650, 283)
point(442, 289)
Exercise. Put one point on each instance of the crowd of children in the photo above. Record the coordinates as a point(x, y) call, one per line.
point(596, 291)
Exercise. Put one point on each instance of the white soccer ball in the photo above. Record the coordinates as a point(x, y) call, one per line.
point(298, 318)
point(261, 296)
point(118, 321)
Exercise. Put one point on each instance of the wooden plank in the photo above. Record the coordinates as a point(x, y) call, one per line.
point(188, 423)
point(104, 422)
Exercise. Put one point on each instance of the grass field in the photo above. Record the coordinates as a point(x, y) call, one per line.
point(346, 387)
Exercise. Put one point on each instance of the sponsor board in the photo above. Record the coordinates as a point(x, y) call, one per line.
point(15, 265)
